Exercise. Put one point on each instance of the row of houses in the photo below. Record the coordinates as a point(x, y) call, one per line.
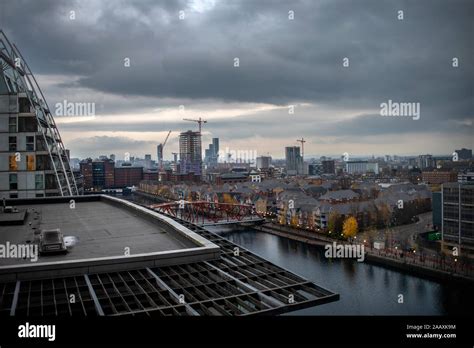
point(304, 204)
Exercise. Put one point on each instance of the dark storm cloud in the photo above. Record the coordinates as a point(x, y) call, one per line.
point(281, 61)
point(105, 144)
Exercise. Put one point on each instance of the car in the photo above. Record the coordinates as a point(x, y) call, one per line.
point(52, 241)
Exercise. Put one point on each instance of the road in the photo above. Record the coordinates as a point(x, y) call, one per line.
point(401, 236)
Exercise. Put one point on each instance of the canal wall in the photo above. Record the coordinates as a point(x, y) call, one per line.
point(370, 256)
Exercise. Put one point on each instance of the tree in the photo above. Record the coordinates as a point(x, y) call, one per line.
point(350, 227)
point(383, 215)
point(227, 198)
point(335, 222)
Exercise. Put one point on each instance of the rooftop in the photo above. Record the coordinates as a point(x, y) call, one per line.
point(201, 275)
point(101, 230)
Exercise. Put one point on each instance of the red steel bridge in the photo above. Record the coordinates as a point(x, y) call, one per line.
point(206, 213)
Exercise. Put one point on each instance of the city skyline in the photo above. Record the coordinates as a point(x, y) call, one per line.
point(182, 64)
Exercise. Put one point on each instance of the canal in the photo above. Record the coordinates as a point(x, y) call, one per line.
point(364, 289)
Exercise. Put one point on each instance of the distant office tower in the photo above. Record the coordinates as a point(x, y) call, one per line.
point(328, 167)
point(147, 161)
point(112, 157)
point(294, 161)
point(211, 156)
point(98, 174)
point(159, 153)
point(464, 154)
point(264, 162)
point(314, 169)
point(425, 161)
point(458, 218)
point(33, 159)
point(215, 142)
point(190, 156)
point(361, 167)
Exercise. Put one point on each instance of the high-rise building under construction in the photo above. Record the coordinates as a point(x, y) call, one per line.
point(190, 156)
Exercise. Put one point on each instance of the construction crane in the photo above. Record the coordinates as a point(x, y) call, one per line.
point(160, 149)
point(302, 141)
point(200, 121)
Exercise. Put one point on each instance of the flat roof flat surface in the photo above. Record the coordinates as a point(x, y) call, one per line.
point(102, 230)
point(243, 284)
point(227, 283)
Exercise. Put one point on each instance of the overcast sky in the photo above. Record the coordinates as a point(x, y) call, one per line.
point(80, 57)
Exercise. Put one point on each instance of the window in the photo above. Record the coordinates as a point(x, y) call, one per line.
point(43, 162)
point(40, 144)
point(27, 124)
point(13, 164)
point(50, 182)
point(39, 182)
point(30, 143)
point(12, 125)
point(39, 195)
point(24, 105)
point(30, 162)
point(12, 143)
point(13, 195)
point(13, 182)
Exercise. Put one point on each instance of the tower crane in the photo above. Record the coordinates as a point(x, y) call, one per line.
point(199, 121)
point(302, 141)
point(160, 150)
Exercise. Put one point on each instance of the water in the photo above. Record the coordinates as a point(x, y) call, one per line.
point(364, 289)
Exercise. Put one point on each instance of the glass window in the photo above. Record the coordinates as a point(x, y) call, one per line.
point(39, 182)
point(13, 164)
point(30, 143)
point(40, 144)
point(30, 162)
point(27, 124)
point(13, 182)
point(12, 143)
point(12, 125)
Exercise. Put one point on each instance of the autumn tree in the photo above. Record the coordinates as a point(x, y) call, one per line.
point(350, 227)
point(227, 198)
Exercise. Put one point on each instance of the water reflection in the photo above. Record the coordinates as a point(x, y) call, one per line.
point(365, 289)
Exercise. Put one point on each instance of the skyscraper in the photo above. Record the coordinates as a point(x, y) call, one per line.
point(215, 142)
point(294, 161)
point(159, 153)
point(212, 153)
point(190, 156)
point(34, 161)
